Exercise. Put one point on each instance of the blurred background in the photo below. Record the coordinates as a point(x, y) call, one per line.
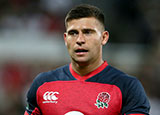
point(31, 41)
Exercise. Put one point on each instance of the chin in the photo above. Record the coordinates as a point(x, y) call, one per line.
point(81, 60)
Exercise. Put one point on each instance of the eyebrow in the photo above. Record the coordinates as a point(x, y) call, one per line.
point(88, 29)
point(85, 29)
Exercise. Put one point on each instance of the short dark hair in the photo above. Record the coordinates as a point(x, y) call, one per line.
point(85, 10)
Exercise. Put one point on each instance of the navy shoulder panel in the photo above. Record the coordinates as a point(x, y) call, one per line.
point(61, 73)
point(111, 75)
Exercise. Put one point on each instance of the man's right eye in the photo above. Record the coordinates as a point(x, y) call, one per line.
point(73, 33)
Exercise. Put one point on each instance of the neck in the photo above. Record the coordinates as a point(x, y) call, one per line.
point(83, 68)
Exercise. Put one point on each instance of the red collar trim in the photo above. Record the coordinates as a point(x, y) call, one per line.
point(89, 75)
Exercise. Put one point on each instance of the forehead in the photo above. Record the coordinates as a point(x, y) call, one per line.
point(84, 23)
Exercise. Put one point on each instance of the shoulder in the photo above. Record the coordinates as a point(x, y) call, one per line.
point(127, 83)
point(122, 80)
point(125, 78)
point(49, 76)
point(114, 75)
point(133, 93)
point(52, 75)
point(43, 77)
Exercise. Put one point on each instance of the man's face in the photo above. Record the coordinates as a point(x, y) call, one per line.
point(84, 38)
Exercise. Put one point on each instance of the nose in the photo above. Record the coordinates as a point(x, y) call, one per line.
point(80, 39)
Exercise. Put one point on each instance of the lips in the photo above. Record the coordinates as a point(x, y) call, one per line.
point(81, 51)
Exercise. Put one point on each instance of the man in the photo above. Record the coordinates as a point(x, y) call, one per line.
point(88, 85)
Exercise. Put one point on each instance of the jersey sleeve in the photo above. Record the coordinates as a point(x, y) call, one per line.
point(32, 107)
point(135, 101)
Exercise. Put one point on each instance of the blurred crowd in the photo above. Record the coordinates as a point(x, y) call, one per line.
point(133, 23)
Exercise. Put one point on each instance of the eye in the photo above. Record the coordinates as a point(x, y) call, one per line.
point(72, 32)
point(88, 31)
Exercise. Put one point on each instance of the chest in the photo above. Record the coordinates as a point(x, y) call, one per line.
point(85, 98)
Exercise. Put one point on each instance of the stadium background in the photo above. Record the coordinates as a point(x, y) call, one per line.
point(31, 41)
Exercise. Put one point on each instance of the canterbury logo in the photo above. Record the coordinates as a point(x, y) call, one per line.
point(50, 97)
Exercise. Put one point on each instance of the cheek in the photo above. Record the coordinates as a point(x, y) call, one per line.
point(95, 44)
point(96, 48)
point(70, 44)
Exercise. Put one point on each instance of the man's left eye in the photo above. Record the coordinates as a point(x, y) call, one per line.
point(88, 32)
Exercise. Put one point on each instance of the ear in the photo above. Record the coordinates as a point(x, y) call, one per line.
point(105, 37)
point(65, 38)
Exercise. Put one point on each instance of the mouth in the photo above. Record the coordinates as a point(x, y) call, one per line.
point(81, 51)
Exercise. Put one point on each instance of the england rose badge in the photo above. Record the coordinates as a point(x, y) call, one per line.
point(103, 99)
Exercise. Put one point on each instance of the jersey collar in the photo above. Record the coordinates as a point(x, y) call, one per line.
point(89, 75)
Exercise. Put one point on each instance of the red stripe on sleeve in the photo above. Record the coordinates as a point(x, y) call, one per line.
point(26, 113)
point(36, 112)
